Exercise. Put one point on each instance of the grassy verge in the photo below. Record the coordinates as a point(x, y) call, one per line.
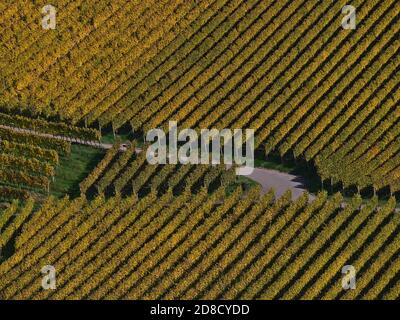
point(273, 165)
point(109, 138)
point(242, 181)
point(74, 168)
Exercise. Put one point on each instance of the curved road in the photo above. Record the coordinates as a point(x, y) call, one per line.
point(267, 178)
point(280, 182)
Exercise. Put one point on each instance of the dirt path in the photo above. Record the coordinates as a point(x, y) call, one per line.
point(95, 144)
point(267, 178)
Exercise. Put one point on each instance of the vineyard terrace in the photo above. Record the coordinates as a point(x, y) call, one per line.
point(170, 152)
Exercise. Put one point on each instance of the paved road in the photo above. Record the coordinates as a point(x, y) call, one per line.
point(279, 181)
point(267, 178)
